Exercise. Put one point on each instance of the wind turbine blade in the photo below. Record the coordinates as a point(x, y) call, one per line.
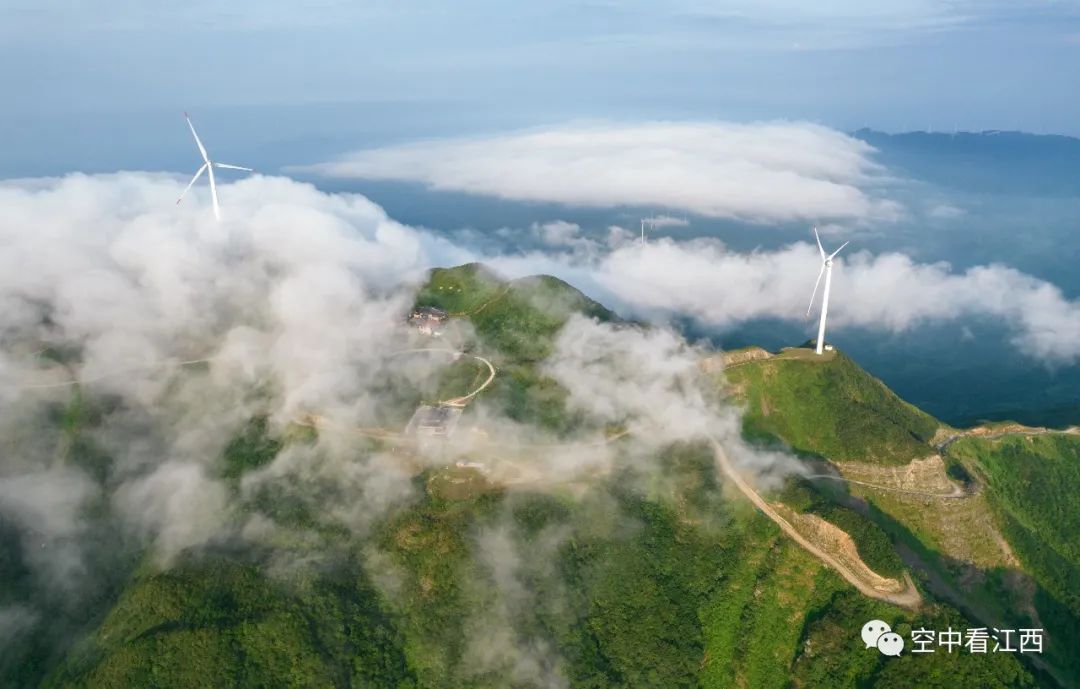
point(198, 143)
point(820, 249)
point(833, 254)
point(213, 192)
point(234, 167)
point(814, 293)
point(191, 183)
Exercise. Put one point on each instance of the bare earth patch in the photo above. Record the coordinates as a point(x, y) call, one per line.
point(835, 541)
point(921, 496)
point(925, 475)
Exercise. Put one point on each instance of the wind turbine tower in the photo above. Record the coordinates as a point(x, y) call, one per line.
point(207, 166)
point(652, 226)
point(826, 269)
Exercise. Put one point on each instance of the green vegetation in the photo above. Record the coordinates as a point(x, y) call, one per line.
point(641, 595)
point(522, 394)
point(873, 544)
point(1036, 481)
point(830, 408)
point(460, 290)
point(458, 378)
point(429, 544)
point(656, 575)
point(217, 621)
point(834, 657)
point(253, 448)
point(1033, 485)
point(522, 323)
point(638, 582)
point(517, 319)
point(516, 323)
point(754, 616)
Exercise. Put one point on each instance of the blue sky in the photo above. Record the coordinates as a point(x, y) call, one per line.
point(483, 65)
point(100, 87)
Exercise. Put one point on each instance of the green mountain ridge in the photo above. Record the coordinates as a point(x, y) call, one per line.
point(674, 584)
point(830, 408)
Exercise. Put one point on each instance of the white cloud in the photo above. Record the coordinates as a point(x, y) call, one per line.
point(47, 505)
point(765, 172)
point(295, 300)
point(643, 379)
point(649, 381)
point(885, 291)
point(178, 503)
point(559, 233)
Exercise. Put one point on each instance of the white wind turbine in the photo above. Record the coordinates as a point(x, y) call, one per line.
point(207, 166)
point(652, 226)
point(826, 268)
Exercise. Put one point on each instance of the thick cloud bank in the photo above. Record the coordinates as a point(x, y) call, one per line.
point(181, 330)
point(887, 291)
point(890, 292)
point(758, 172)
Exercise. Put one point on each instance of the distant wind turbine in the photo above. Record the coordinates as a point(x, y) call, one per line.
point(652, 226)
point(208, 166)
point(826, 269)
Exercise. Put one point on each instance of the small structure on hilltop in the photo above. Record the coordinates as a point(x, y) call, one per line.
point(428, 320)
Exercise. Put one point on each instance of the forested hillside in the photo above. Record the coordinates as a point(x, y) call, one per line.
point(653, 574)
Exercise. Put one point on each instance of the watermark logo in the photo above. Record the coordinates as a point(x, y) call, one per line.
point(890, 644)
point(977, 640)
point(878, 634)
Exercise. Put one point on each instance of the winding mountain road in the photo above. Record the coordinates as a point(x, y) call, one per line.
point(463, 399)
point(908, 598)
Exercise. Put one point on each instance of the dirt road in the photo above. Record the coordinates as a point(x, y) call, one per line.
point(464, 399)
point(909, 598)
point(980, 433)
point(956, 493)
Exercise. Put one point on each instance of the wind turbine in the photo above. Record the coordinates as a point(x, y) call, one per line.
point(826, 268)
point(652, 226)
point(207, 166)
